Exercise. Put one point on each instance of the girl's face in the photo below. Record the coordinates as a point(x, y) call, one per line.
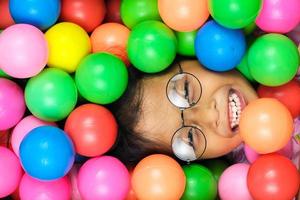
point(216, 114)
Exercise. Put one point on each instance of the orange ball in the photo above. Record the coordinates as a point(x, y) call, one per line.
point(266, 125)
point(111, 38)
point(183, 15)
point(158, 177)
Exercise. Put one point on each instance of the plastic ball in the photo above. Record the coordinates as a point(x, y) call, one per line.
point(107, 78)
point(279, 16)
point(133, 13)
point(20, 57)
point(186, 43)
point(243, 68)
point(4, 138)
point(73, 175)
point(103, 178)
point(147, 43)
point(10, 172)
point(200, 183)
point(273, 176)
point(273, 125)
point(233, 183)
point(234, 14)
point(68, 44)
point(87, 14)
point(32, 189)
point(12, 104)
point(5, 16)
point(51, 95)
point(273, 59)
point(219, 48)
point(3, 74)
point(113, 13)
point(47, 153)
point(158, 177)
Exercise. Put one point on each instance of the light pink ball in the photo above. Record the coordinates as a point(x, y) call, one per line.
point(12, 104)
point(10, 172)
point(23, 128)
point(279, 16)
point(233, 183)
point(23, 51)
point(104, 178)
point(33, 189)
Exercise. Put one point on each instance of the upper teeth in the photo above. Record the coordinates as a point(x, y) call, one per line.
point(235, 105)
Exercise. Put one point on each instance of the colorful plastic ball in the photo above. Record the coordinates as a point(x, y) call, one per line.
point(273, 125)
point(111, 38)
point(273, 176)
point(234, 14)
point(10, 172)
point(219, 48)
point(103, 178)
point(279, 16)
point(73, 176)
point(107, 78)
point(12, 104)
point(4, 138)
point(3, 74)
point(51, 95)
point(20, 57)
point(183, 15)
point(23, 128)
point(47, 153)
point(273, 59)
point(158, 177)
point(68, 44)
point(233, 183)
point(32, 189)
point(113, 11)
point(5, 16)
point(288, 94)
point(186, 43)
point(200, 183)
point(133, 13)
point(87, 14)
point(243, 68)
point(216, 167)
point(147, 43)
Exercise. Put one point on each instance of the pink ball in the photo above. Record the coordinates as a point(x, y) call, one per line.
point(279, 16)
point(23, 51)
point(233, 183)
point(73, 175)
point(23, 128)
point(12, 104)
point(104, 178)
point(10, 172)
point(33, 189)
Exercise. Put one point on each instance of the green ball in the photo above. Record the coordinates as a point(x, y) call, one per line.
point(51, 95)
point(185, 43)
point(243, 68)
point(134, 12)
point(3, 74)
point(216, 167)
point(273, 59)
point(101, 78)
point(249, 28)
point(151, 46)
point(234, 14)
point(200, 183)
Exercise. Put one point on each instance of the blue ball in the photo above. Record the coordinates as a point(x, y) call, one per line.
point(47, 153)
point(219, 48)
point(40, 13)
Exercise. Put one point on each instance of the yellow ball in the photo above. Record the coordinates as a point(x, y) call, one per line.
point(68, 43)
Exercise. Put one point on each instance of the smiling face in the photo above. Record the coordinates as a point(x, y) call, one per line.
point(216, 113)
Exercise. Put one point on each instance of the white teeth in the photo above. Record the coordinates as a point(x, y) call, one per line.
point(235, 107)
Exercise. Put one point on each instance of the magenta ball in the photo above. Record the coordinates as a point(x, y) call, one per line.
point(23, 51)
point(12, 104)
point(104, 178)
point(23, 128)
point(10, 172)
point(33, 189)
point(233, 183)
point(279, 16)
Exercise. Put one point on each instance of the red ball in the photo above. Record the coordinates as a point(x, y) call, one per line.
point(5, 18)
point(113, 11)
point(288, 94)
point(273, 176)
point(86, 13)
point(92, 128)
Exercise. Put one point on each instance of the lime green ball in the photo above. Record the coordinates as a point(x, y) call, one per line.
point(200, 183)
point(185, 43)
point(234, 14)
point(249, 28)
point(101, 78)
point(151, 46)
point(134, 12)
point(216, 167)
point(273, 59)
point(3, 74)
point(243, 68)
point(51, 95)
